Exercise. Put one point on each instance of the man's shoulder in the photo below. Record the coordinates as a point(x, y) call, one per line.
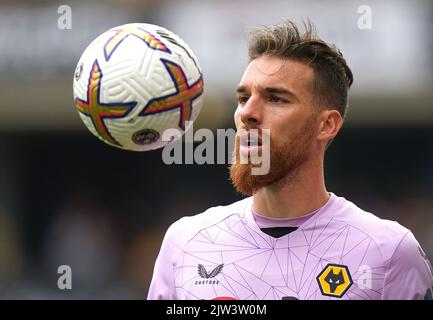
point(367, 221)
point(188, 226)
point(386, 234)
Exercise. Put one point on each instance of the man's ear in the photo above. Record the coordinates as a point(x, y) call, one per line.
point(330, 123)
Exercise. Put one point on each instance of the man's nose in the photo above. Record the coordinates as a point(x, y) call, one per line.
point(251, 112)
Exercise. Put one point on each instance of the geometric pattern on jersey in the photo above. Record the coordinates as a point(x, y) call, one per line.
point(260, 267)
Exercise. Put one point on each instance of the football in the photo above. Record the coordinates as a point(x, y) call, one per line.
point(134, 82)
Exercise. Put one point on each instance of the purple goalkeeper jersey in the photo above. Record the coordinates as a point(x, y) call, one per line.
point(339, 252)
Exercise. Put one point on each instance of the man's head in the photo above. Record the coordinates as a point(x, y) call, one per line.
point(296, 85)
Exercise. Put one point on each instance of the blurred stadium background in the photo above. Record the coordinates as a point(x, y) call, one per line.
point(67, 198)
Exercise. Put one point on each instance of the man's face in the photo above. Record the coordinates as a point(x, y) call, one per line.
point(274, 94)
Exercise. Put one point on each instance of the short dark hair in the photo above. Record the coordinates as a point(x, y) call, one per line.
point(332, 76)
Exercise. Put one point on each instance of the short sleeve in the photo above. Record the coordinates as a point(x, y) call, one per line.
point(162, 286)
point(409, 274)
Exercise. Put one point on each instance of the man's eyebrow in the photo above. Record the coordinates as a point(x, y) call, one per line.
point(241, 89)
point(279, 90)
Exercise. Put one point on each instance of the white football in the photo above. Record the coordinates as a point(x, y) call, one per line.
point(134, 82)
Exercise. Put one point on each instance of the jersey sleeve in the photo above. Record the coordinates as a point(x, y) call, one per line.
point(409, 274)
point(162, 286)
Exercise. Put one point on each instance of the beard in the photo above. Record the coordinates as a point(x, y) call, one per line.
point(285, 160)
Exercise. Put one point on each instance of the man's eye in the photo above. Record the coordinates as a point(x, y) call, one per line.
point(242, 99)
point(276, 100)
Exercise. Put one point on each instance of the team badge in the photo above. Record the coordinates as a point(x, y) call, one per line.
point(334, 280)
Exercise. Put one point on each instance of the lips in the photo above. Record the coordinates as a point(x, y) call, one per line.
point(250, 138)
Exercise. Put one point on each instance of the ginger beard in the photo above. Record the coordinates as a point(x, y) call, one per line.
point(285, 160)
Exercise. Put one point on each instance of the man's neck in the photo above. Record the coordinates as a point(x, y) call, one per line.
point(296, 195)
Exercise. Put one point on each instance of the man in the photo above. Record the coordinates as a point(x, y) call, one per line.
point(292, 239)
